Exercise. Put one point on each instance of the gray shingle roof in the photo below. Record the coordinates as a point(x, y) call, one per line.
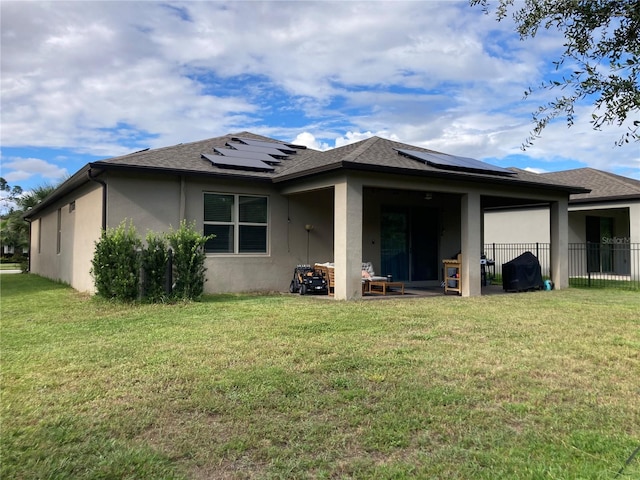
point(375, 154)
point(184, 157)
point(603, 185)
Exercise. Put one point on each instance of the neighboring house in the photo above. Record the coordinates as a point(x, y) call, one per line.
point(605, 222)
point(273, 205)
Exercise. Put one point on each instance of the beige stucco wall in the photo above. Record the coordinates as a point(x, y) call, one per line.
point(532, 224)
point(79, 230)
point(634, 227)
point(313, 208)
point(626, 217)
point(151, 202)
point(524, 225)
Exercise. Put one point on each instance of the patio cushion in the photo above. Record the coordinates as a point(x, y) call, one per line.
point(368, 268)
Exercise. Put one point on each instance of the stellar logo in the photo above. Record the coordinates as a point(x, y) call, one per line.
point(615, 240)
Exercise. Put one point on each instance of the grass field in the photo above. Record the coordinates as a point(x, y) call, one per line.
point(541, 385)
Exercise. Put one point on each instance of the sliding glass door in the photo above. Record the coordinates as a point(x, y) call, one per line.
point(409, 243)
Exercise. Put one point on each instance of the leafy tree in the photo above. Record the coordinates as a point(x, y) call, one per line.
point(15, 230)
point(9, 194)
point(31, 198)
point(602, 47)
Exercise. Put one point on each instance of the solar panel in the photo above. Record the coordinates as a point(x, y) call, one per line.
point(452, 162)
point(229, 152)
point(239, 163)
point(256, 148)
point(286, 148)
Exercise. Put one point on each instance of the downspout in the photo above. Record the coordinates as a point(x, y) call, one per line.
point(29, 259)
point(183, 199)
point(104, 197)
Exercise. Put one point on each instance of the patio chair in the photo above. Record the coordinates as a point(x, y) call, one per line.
point(368, 274)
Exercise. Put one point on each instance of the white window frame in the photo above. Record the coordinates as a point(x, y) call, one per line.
point(236, 223)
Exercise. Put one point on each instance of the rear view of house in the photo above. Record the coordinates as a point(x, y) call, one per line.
point(273, 205)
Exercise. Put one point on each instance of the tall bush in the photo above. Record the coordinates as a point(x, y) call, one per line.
point(154, 267)
point(116, 263)
point(188, 261)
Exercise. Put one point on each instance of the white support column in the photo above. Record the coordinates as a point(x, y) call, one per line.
point(634, 223)
point(559, 229)
point(471, 238)
point(634, 237)
point(348, 239)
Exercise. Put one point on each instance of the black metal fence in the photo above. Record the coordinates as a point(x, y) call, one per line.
point(502, 253)
point(599, 265)
point(605, 265)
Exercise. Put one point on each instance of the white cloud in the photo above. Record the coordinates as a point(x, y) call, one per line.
point(353, 137)
point(535, 170)
point(18, 169)
point(103, 78)
point(308, 140)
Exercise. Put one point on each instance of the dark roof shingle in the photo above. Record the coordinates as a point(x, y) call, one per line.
point(374, 154)
point(603, 185)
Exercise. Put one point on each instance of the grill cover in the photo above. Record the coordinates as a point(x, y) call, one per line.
point(522, 273)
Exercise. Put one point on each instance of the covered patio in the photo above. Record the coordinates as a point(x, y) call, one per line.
point(406, 226)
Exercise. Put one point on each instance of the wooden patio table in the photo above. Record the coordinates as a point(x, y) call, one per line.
point(384, 286)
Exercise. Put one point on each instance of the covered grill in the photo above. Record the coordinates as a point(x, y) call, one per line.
point(522, 273)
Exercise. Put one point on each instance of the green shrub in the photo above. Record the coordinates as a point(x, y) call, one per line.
point(23, 260)
point(188, 261)
point(119, 259)
point(154, 267)
point(116, 263)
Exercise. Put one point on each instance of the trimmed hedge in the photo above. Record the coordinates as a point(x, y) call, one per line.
point(116, 263)
point(123, 270)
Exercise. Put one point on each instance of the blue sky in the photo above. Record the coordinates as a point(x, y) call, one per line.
point(83, 81)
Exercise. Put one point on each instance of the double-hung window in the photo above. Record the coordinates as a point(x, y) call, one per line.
point(239, 223)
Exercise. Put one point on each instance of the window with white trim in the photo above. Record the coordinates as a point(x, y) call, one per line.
point(239, 223)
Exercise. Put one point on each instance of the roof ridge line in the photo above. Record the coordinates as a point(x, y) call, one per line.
point(619, 178)
point(360, 149)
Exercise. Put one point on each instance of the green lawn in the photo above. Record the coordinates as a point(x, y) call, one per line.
point(541, 385)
